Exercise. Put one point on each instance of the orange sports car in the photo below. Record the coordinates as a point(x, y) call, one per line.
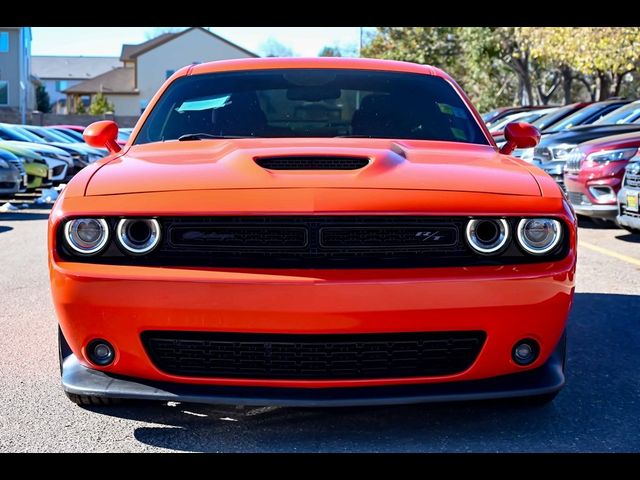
point(322, 231)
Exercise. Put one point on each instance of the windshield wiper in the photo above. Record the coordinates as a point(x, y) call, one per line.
point(200, 136)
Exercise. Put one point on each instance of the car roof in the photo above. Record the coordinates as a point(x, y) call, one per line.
point(314, 62)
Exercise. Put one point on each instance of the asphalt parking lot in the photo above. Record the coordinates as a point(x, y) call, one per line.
point(598, 411)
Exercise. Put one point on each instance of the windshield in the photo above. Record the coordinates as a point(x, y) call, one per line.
point(72, 134)
point(518, 117)
point(30, 136)
point(46, 135)
point(627, 114)
point(586, 115)
point(13, 134)
point(548, 120)
point(311, 103)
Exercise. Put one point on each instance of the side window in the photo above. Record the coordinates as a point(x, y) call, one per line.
point(4, 42)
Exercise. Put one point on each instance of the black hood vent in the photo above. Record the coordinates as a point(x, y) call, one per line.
point(315, 162)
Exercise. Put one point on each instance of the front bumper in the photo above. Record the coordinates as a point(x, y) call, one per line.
point(582, 200)
point(118, 303)
point(598, 211)
point(548, 378)
point(625, 217)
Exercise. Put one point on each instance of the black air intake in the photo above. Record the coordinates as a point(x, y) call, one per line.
point(312, 163)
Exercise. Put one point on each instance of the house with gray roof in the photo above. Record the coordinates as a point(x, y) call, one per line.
point(57, 73)
point(145, 67)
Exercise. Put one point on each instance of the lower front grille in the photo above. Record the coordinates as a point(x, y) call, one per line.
point(577, 198)
point(312, 357)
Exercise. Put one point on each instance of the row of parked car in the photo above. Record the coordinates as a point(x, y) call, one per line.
point(33, 156)
point(592, 150)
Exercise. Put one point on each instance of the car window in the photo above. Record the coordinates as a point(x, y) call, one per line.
point(585, 116)
point(626, 114)
point(312, 103)
point(551, 118)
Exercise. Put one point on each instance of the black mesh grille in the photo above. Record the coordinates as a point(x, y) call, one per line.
point(349, 356)
point(577, 198)
point(312, 163)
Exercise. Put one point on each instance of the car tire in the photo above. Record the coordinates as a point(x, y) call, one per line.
point(83, 400)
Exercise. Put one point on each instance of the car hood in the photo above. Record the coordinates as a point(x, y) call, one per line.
point(39, 147)
point(230, 164)
point(20, 151)
point(584, 133)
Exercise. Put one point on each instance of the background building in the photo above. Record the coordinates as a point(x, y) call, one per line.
point(146, 66)
point(57, 73)
point(16, 88)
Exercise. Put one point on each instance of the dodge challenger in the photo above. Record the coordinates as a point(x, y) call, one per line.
point(310, 232)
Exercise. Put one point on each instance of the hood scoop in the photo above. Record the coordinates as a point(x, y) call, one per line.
point(312, 162)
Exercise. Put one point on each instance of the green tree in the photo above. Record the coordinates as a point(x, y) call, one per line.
point(328, 51)
point(478, 58)
point(273, 48)
point(437, 46)
point(100, 105)
point(602, 58)
point(43, 103)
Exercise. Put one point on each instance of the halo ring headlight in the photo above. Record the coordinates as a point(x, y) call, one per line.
point(86, 236)
point(539, 236)
point(138, 236)
point(487, 235)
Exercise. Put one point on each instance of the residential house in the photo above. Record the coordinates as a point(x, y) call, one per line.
point(16, 89)
point(146, 66)
point(57, 73)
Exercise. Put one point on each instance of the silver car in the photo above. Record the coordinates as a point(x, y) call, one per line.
point(11, 179)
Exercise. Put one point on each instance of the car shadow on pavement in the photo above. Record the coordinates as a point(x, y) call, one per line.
point(4, 228)
point(23, 215)
point(596, 411)
point(595, 224)
point(630, 237)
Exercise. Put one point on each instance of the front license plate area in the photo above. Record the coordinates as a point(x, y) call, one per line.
point(632, 201)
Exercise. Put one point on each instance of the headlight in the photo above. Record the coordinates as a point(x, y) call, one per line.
point(86, 236)
point(561, 152)
point(487, 236)
point(3, 164)
point(539, 235)
point(138, 235)
point(612, 155)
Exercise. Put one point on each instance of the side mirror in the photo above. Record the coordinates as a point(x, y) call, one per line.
point(102, 134)
point(519, 135)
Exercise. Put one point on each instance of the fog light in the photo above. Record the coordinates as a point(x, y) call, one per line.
point(100, 352)
point(525, 352)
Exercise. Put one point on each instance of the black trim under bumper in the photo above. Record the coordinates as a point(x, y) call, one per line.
point(548, 378)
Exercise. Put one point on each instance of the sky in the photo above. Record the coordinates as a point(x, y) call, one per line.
point(107, 41)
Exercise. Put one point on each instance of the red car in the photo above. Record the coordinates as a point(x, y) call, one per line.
point(324, 231)
point(594, 171)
